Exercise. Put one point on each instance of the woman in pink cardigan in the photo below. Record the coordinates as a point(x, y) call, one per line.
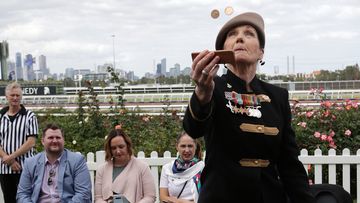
point(123, 174)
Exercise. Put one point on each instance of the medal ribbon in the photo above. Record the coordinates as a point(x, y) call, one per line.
point(243, 99)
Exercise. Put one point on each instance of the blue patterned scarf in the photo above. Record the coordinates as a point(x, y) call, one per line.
point(180, 165)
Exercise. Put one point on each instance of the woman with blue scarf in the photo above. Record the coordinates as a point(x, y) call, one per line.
point(180, 179)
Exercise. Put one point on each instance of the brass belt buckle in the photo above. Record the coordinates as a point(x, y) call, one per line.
point(254, 163)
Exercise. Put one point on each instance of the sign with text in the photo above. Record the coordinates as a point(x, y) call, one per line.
point(34, 90)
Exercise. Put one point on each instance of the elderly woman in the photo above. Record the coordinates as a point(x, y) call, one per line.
point(251, 154)
point(122, 174)
point(179, 181)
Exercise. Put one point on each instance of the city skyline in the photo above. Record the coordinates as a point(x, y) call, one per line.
point(313, 34)
point(21, 65)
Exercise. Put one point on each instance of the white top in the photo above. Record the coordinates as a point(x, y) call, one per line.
point(175, 182)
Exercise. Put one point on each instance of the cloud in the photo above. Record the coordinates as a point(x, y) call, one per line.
point(335, 35)
point(78, 33)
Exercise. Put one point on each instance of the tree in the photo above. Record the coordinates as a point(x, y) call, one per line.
point(68, 82)
point(351, 72)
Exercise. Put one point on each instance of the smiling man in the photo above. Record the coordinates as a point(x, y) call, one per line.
point(56, 174)
point(18, 132)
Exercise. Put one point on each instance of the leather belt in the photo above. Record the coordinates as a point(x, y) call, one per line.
point(261, 163)
point(255, 128)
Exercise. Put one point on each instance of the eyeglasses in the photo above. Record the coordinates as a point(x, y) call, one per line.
point(52, 174)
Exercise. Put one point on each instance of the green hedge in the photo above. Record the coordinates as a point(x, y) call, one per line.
point(148, 133)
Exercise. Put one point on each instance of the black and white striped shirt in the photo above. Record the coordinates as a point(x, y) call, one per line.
point(14, 133)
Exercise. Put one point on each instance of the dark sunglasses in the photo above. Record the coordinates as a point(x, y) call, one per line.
point(51, 175)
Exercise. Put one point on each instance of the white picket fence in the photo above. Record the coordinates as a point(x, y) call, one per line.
point(316, 161)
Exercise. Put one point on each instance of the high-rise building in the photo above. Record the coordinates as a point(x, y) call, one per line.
point(4, 54)
point(163, 66)
point(28, 67)
point(82, 71)
point(42, 65)
point(11, 70)
point(39, 75)
point(149, 75)
point(69, 73)
point(130, 76)
point(121, 73)
point(158, 70)
point(103, 68)
point(177, 69)
point(18, 66)
point(172, 72)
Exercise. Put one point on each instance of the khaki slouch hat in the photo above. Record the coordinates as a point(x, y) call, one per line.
point(248, 18)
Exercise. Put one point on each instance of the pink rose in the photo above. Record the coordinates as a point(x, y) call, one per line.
point(347, 133)
point(323, 137)
point(329, 139)
point(332, 133)
point(317, 134)
point(327, 104)
point(326, 113)
point(339, 108)
point(332, 145)
point(146, 118)
point(302, 124)
point(309, 114)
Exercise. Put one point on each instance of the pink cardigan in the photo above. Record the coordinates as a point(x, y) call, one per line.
point(135, 182)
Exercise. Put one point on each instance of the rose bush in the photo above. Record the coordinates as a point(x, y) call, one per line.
point(330, 125)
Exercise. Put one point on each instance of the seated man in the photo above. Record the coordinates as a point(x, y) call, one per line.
point(56, 174)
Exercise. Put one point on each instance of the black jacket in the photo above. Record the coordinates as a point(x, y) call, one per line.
point(227, 142)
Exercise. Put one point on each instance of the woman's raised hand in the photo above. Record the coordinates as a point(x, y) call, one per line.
point(203, 71)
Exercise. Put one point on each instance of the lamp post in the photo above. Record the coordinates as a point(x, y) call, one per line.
point(113, 40)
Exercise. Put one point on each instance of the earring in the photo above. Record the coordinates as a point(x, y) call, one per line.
point(262, 62)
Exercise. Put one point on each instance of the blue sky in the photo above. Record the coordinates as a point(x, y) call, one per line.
point(320, 34)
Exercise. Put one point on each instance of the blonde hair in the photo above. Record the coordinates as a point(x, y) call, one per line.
point(11, 86)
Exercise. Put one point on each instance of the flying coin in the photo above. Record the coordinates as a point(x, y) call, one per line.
point(229, 10)
point(215, 13)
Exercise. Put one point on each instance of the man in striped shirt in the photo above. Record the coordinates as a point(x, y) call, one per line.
point(18, 133)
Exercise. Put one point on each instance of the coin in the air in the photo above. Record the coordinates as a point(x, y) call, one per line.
point(229, 10)
point(215, 13)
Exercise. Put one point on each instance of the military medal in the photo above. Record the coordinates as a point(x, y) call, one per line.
point(251, 111)
point(246, 104)
point(254, 112)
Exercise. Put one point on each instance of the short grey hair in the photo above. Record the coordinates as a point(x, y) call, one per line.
point(13, 85)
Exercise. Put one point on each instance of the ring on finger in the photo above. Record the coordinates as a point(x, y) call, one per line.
point(204, 72)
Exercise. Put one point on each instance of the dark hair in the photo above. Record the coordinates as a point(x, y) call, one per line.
point(52, 126)
point(112, 134)
point(198, 152)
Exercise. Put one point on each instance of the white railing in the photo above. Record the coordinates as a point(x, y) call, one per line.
point(316, 161)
